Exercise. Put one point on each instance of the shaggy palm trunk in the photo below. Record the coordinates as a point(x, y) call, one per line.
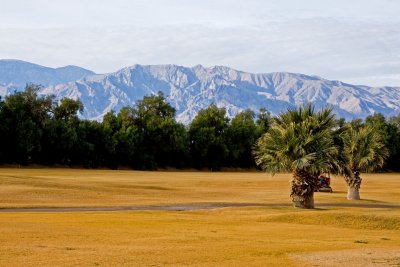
point(303, 185)
point(353, 186)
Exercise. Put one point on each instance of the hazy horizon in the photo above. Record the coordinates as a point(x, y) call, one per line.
point(354, 42)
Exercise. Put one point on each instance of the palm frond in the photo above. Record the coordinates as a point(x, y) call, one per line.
point(299, 139)
point(363, 148)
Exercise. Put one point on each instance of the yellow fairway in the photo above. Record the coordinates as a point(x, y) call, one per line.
point(267, 232)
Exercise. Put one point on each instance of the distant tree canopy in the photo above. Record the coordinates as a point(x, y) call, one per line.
point(207, 134)
point(23, 118)
point(37, 129)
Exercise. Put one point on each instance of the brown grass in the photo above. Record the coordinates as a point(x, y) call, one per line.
point(242, 236)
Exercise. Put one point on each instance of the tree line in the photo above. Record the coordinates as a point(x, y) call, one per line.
point(37, 129)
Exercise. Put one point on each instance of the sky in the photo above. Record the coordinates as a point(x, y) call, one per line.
point(354, 41)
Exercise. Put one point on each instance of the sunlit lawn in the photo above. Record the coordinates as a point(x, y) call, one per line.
point(236, 236)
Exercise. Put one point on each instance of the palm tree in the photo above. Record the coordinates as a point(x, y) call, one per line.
point(364, 151)
point(300, 141)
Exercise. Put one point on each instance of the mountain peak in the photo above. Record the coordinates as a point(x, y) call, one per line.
point(190, 89)
point(17, 73)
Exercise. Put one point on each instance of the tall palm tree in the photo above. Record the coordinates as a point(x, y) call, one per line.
point(300, 141)
point(364, 151)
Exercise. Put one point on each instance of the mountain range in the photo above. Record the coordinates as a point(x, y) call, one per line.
point(190, 89)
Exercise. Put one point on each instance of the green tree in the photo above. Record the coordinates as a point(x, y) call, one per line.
point(3, 133)
point(68, 109)
point(207, 138)
point(356, 123)
point(263, 122)
point(24, 115)
point(365, 151)
point(60, 138)
point(300, 141)
point(240, 137)
point(389, 134)
point(128, 138)
point(59, 141)
point(393, 161)
point(395, 120)
point(163, 141)
point(112, 126)
point(96, 145)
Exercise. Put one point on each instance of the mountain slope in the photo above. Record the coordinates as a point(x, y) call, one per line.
point(191, 89)
point(15, 74)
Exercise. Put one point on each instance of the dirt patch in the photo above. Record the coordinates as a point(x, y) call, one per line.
point(186, 207)
point(175, 207)
point(355, 258)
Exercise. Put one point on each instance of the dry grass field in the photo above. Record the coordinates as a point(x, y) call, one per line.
point(256, 226)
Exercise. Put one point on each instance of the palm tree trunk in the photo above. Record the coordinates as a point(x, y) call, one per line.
point(353, 193)
point(303, 185)
point(353, 186)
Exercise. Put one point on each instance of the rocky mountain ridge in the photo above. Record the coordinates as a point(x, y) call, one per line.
point(15, 74)
point(190, 89)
